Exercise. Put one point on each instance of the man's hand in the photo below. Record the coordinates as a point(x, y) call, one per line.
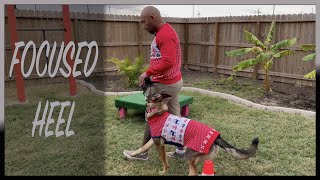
point(141, 78)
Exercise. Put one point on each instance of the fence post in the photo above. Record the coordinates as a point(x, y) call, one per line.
point(76, 28)
point(12, 21)
point(140, 38)
point(186, 42)
point(216, 49)
point(76, 37)
point(67, 39)
point(256, 67)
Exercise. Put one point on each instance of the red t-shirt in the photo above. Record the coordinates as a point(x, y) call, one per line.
point(165, 56)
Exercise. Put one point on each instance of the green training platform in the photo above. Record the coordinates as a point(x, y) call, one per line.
point(137, 101)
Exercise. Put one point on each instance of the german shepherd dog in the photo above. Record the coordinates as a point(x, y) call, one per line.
point(156, 108)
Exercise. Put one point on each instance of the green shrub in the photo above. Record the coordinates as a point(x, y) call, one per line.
point(130, 69)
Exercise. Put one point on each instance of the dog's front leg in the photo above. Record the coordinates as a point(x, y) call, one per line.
point(144, 148)
point(192, 167)
point(163, 157)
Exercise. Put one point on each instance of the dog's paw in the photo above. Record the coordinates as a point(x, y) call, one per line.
point(163, 173)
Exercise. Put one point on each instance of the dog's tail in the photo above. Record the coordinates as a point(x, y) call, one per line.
point(239, 153)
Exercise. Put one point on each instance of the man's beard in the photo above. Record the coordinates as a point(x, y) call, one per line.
point(151, 31)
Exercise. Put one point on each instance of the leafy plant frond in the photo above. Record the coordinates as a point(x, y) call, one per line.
point(257, 49)
point(130, 69)
point(253, 39)
point(283, 44)
point(271, 33)
point(127, 61)
point(238, 52)
point(245, 64)
point(308, 47)
point(284, 53)
point(268, 65)
point(310, 75)
point(263, 56)
point(309, 57)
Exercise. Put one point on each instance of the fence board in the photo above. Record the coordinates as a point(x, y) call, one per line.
point(203, 40)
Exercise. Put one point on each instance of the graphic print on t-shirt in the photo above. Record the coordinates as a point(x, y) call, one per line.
point(155, 51)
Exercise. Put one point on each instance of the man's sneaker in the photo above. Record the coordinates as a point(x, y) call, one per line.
point(175, 154)
point(142, 156)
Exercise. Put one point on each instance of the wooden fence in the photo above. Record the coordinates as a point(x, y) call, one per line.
point(203, 41)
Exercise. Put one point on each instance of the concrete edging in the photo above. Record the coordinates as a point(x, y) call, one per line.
point(102, 93)
point(216, 94)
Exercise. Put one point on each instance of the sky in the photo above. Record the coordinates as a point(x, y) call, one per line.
point(186, 11)
point(232, 10)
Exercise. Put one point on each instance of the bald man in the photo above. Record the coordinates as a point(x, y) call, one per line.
point(164, 70)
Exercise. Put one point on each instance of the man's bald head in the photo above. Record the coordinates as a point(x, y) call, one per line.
point(151, 11)
point(151, 18)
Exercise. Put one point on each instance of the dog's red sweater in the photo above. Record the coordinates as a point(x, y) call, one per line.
point(178, 130)
point(165, 56)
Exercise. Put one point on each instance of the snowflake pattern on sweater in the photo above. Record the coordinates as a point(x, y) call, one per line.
point(174, 129)
point(187, 132)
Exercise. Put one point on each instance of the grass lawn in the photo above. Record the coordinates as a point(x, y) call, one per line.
point(244, 89)
point(287, 142)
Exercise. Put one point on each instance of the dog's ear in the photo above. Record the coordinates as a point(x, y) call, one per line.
point(165, 96)
point(148, 81)
point(143, 87)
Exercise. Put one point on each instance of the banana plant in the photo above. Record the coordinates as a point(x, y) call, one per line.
point(265, 53)
point(309, 47)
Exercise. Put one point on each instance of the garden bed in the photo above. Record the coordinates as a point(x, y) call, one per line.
point(284, 95)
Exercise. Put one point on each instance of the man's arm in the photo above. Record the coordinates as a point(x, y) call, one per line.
point(168, 56)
